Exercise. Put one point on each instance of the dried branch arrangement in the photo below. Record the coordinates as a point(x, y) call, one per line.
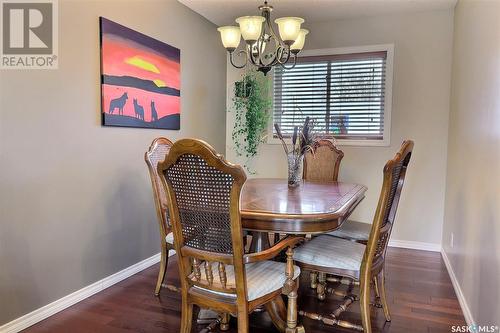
point(303, 138)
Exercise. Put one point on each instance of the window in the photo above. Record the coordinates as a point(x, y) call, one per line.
point(347, 93)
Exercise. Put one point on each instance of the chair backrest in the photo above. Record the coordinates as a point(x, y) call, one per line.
point(323, 164)
point(394, 177)
point(157, 153)
point(203, 190)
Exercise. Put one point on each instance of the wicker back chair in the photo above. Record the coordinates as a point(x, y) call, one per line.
point(321, 165)
point(156, 153)
point(324, 164)
point(204, 201)
point(394, 178)
point(354, 263)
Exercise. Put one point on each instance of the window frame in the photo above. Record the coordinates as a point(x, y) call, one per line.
point(386, 140)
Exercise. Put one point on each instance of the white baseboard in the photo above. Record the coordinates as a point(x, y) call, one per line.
point(458, 290)
point(48, 310)
point(415, 245)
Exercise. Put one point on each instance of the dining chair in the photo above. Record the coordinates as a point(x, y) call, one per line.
point(156, 153)
point(323, 162)
point(363, 264)
point(203, 191)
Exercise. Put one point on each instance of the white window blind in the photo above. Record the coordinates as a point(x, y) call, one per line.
point(343, 93)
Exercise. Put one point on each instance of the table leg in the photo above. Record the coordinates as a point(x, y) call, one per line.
point(320, 288)
point(260, 241)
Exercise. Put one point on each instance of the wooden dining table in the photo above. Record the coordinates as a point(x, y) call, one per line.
point(268, 205)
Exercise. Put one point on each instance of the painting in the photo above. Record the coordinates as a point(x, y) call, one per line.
point(140, 79)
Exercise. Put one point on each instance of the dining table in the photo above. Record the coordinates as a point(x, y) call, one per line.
point(269, 205)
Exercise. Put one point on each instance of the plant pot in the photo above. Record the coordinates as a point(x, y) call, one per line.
point(243, 89)
point(295, 169)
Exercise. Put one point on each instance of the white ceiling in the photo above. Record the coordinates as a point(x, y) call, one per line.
point(223, 12)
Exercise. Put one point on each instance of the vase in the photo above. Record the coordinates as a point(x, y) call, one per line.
point(295, 167)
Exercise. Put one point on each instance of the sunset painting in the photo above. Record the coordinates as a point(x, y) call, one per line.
point(140, 79)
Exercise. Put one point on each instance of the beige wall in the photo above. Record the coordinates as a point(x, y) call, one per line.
point(75, 198)
point(421, 87)
point(472, 211)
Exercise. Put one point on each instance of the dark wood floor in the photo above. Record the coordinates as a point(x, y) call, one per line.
point(420, 293)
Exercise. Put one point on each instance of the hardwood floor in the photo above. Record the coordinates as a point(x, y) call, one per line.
point(420, 293)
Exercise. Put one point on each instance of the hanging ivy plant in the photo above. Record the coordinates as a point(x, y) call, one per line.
point(252, 104)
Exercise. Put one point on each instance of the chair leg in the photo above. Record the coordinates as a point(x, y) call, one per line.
point(383, 296)
point(243, 324)
point(291, 314)
point(376, 302)
point(320, 289)
point(277, 311)
point(187, 316)
point(365, 305)
point(314, 280)
point(163, 269)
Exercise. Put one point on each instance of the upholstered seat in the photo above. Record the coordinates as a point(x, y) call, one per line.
point(337, 255)
point(263, 277)
point(170, 238)
point(352, 230)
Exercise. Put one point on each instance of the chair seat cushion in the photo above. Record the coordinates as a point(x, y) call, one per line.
point(336, 255)
point(263, 277)
point(353, 230)
point(170, 238)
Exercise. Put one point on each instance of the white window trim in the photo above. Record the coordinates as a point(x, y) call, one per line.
point(389, 48)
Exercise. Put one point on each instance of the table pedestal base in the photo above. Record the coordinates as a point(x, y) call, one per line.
point(260, 241)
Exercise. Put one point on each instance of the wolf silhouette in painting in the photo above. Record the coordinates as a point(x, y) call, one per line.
point(118, 103)
point(139, 110)
point(154, 114)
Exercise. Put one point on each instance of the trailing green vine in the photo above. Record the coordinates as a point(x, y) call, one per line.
point(252, 104)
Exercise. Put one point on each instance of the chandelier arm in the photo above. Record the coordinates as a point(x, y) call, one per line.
point(271, 37)
point(251, 57)
point(287, 56)
point(294, 62)
point(231, 59)
point(271, 30)
point(260, 49)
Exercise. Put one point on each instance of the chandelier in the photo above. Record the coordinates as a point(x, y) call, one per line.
point(263, 48)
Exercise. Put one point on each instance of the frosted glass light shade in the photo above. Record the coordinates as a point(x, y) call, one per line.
point(230, 37)
point(299, 42)
point(289, 28)
point(251, 27)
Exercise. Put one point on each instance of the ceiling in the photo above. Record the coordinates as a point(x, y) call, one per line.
point(223, 12)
